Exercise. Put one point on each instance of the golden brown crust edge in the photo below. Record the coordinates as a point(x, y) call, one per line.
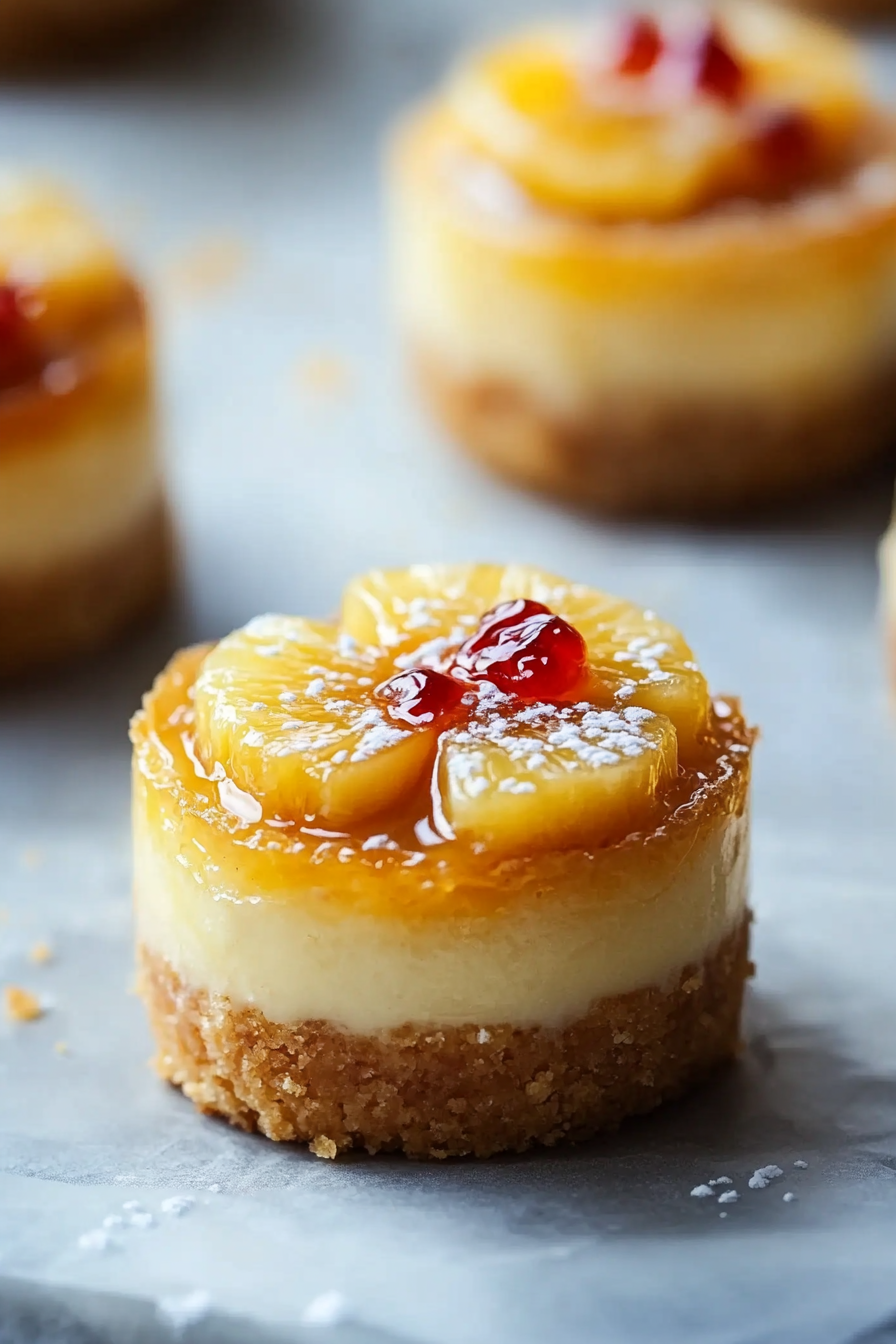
point(664, 458)
point(452, 1091)
point(73, 607)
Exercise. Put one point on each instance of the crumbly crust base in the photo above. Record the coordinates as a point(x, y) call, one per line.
point(664, 458)
point(74, 606)
point(451, 1091)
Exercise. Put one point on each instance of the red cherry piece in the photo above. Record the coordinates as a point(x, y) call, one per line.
point(785, 141)
point(18, 357)
point(716, 70)
point(640, 45)
point(421, 695)
point(525, 650)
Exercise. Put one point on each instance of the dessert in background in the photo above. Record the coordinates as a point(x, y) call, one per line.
point(462, 872)
point(648, 262)
point(84, 536)
point(37, 29)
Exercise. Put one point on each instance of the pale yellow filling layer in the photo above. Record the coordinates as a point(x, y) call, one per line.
point(299, 956)
point(77, 489)
point(486, 288)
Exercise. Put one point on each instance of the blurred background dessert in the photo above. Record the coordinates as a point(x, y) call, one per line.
point(39, 29)
point(84, 535)
point(648, 262)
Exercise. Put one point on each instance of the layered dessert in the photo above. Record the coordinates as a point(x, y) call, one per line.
point(648, 262)
point(84, 542)
point(461, 872)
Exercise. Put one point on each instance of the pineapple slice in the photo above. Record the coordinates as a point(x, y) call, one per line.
point(547, 775)
point(575, 134)
point(424, 612)
point(285, 707)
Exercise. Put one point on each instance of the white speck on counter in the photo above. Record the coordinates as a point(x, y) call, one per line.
point(96, 1240)
point(483, 1036)
point(789, 1197)
point(214, 1189)
point(701, 1192)
point(763, 1177)
point(729, 1197)
point(723, 1214)
point(186, 1309)
point(801, 1164)
point(177, 1204)
point(328, 1309)
point(722, 1180)
point(113, 1220)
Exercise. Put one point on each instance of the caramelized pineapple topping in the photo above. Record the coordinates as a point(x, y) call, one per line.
point(653, 116)
point(513, 709)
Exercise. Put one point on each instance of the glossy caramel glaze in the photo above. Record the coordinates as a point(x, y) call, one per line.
point(395, 863)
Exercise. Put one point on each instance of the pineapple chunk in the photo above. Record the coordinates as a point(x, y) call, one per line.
point(544, 775)
point(636, 659)
point(582, 137)
point(285, 708)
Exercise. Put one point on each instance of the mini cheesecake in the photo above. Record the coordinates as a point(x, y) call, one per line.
point(463, 872)
point(84, 538)
point(649, 263)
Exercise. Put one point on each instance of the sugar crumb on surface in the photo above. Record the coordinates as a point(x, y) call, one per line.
point(721, 1180)
point(702, 1192)
point(321, 1146)
point(184, 1309)
point(323, 374)
point(729, 1197)
point(20, 1004)
point(330, 1308)
point(763, 1177)
point(177, 1205)
point(800, 1164)
point(789, 1197)
point(208, 264)
point(41, 953)
point(98, 1239)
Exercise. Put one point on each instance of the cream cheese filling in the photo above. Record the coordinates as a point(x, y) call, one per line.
point(468, 295)
point(78, 490)
point(298, 957)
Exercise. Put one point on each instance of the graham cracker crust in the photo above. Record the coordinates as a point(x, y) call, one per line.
point(665, 458)
point(75, 606)
point(451, 1091)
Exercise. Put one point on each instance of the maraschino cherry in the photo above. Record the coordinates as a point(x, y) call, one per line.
point(640, 44)
point(785, 141)
point(421, 696)
point(18, 357)
point(524, 649)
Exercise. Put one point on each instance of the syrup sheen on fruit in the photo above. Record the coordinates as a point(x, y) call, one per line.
point(530, 711)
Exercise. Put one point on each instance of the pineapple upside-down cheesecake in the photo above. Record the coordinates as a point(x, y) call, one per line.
point(84, 539)
point(463, 872)
point(649, 261)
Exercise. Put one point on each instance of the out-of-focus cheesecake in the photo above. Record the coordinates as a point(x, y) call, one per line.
point(463, 872)
point(84, 536)
point(650, 262)
point(37, 29)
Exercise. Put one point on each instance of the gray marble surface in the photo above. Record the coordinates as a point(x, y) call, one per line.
point(254, 139)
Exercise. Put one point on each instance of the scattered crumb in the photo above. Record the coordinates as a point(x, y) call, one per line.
point(763, 1177)
point(723, 1214)
point(208, 265)
point(729, 1197)
point(136, 1214)
point(113, 1220)
point(701, 1192)
point(133, 1206)
point(41, 953)
point(722, 1180)
point(322, 1147)
point(177, 1204)
point(214, 1189)
point(32, 857)
point(97, 1240)
point(327, 1309)
point(789, 1197)
point(324, 375)
point(61, 1047)
point(483, 1036)
point(185, 1309)
point(21, 1006)
point(801, 1164)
